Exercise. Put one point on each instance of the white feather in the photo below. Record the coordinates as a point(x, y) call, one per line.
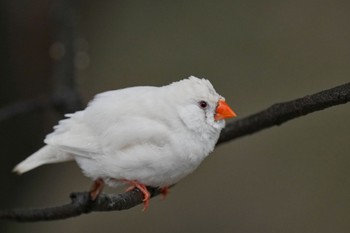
point(155, 135)
point(47, 154)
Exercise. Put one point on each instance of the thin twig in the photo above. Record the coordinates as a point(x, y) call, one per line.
point(274, 115)
point(280, 113)
point(80, 204)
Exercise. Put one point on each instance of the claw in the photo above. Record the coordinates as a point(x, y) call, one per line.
point(96, 188)
point(143, 189)
point(164, 191)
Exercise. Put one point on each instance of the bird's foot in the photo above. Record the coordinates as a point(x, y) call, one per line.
point(164, 191)
point(96, 188)
point(142, 188)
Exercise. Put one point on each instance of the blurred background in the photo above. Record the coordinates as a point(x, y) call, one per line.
point(292, 178)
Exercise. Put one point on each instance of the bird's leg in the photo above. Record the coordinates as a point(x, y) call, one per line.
point(96, 188)
point(164, 191)
point(142, 188)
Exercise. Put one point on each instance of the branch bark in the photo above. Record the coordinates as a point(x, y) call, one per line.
point(80, 204)
point(280, 113)
point(274, 115)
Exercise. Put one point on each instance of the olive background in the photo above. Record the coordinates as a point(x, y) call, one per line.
point(291, 178)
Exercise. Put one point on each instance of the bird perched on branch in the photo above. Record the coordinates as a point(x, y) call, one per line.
point(142, 136)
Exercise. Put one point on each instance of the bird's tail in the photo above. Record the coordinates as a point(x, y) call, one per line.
point(47, 154)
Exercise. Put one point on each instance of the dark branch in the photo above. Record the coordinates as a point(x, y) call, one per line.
point(279, 113)
point(274, 115)
point(80, 204)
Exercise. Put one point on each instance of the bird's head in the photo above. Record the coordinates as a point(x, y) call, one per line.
point(200, 107)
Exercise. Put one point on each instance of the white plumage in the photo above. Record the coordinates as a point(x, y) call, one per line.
point(151, 135)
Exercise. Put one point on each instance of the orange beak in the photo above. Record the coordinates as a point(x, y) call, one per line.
point(223, 111)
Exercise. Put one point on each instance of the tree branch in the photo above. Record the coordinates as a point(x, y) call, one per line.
point(80, 204)
point(279, 113)
point(274, 115)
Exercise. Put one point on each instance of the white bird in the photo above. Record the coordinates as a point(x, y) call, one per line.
point(143, 136)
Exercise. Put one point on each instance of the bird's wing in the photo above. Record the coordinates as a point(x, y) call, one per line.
point(134, 132)
point(81, 139)
point(112, 122)
point(74, 136)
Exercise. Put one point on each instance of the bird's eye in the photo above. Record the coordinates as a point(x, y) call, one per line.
point(203, 104)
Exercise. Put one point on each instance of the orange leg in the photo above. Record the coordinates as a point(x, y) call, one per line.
point(96, 188)
point(164, 191)
point(142, 188)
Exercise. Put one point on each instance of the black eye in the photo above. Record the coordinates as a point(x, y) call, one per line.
point(203, 104)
